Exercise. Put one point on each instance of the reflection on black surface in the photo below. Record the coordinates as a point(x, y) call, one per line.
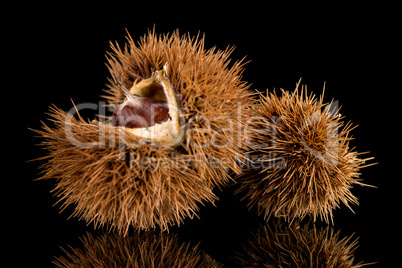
point(275, 244)
point(297, 245)
point(139, 250)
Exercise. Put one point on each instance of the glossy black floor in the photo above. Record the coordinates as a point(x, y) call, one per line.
point(61, 56)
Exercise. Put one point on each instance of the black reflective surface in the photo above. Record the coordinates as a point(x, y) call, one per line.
point(64, 58)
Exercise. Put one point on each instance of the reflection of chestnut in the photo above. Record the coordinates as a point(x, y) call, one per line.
point(136, 251)
point(146, 114)
point(279, 244)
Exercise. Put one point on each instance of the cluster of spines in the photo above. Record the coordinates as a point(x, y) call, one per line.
point(307, 166)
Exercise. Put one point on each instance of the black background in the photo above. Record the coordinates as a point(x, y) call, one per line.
point(60, 54)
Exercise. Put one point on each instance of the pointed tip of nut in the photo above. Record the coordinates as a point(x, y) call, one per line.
point(166, 68)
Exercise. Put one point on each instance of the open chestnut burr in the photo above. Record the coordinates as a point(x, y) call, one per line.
point(177, 132)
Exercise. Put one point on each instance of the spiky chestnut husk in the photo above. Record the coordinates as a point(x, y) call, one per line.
point(305, 165)
point(297, 246)
point(154, 185)
point(136, 251)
